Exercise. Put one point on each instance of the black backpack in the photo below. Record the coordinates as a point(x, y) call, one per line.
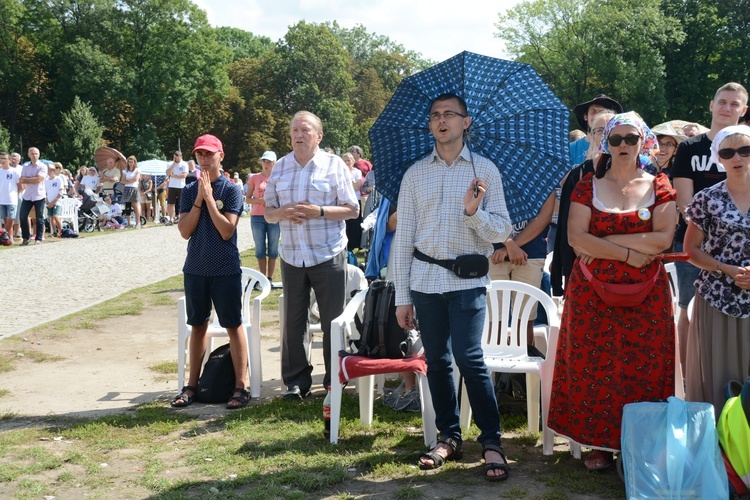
point(380, 334)
point(510, 388)
point(216, 383)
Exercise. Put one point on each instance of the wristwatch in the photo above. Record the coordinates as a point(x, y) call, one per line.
point(322, 213)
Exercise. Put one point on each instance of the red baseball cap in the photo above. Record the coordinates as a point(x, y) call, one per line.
point(208, 142)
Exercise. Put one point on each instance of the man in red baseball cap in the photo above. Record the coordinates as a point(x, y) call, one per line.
point(210, 209)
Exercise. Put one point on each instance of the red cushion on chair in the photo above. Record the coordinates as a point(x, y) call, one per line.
point(351, 367)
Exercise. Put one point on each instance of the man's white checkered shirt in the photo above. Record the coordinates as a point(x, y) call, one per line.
point(431, 218)
point(324, 181)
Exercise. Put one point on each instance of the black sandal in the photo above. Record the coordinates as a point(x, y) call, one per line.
point(182, 400)
point(437, 460)
point(488, 466)
point(243, 399)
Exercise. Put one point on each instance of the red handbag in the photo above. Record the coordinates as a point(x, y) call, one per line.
point(618, 294)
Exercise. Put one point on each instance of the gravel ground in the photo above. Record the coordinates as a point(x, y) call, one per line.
point(62, 276)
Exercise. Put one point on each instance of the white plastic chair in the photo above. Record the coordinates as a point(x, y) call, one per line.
point(505, 349)
point(69, 212)
point(547, 374)
point(673, 286)
point(341, 328)
point(251, 323)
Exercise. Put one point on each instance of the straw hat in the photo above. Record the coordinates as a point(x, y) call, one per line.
point(668, 129)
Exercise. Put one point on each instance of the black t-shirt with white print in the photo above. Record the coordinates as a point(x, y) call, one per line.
point(693, 161)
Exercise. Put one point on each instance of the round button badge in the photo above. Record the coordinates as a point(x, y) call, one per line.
point(644, 213)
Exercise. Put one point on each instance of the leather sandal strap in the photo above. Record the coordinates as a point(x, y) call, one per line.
point(493, 447)
point(453, 443)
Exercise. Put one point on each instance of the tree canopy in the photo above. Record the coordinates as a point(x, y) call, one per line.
point(153, 74)
point(662, 58)
point(156, 75)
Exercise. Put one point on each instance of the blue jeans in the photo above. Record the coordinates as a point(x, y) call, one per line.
point(25, 210)
point(262, 229)
point(451, 327)
point(686, 276)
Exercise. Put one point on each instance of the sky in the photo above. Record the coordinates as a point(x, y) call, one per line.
point(438, 29)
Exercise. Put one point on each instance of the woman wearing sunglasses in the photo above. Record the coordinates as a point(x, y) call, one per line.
point(718, 237)
point(611, 352)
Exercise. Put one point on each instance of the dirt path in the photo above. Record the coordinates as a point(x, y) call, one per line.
point(106, 370)
point(68, 275)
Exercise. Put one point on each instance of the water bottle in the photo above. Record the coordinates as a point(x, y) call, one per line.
point(327, 415)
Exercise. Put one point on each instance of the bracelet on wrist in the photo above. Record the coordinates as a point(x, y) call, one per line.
point(198, 206)
point(718, 268)
point(627, 257)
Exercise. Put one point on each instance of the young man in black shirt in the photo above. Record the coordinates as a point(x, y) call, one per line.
point(693, 171)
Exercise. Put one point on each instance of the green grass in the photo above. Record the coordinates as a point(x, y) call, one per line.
point(270, 450)
point(165, 367)
point(273, 450)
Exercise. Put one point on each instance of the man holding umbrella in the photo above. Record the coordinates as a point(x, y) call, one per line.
point(451, 203)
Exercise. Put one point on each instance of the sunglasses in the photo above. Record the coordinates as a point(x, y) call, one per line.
point(728, 153)
point(630, 139)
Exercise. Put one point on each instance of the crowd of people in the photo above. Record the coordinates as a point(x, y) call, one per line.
point(124, 196)
point(620, 210)
point(632, 194)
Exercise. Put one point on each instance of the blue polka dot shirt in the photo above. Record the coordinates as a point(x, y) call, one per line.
point(208, 254)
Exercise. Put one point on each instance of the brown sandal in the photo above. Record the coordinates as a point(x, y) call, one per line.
point(437, 459)
point(242, 400)
point(488, 466)
point(182, 399)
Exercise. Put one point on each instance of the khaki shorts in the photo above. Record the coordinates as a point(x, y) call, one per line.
point(530, 273)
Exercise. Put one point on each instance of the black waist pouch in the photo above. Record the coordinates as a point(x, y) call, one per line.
point(468, 266)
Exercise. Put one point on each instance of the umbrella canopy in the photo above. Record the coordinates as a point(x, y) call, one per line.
point(103, 154)
point(153, 167)
point(518, 123)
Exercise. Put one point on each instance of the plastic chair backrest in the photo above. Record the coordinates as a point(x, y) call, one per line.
point(510, 303)
point(68, 207)
point(353, 308)
point(249, 278)
point(69, 211)
point(673, 284)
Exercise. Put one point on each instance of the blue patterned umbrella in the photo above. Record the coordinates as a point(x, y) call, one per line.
point(518, 123)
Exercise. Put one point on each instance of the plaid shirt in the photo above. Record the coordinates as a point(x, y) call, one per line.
point(431, 217)
point(324, 181)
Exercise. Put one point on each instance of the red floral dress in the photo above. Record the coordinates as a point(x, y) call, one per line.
point(608, 356)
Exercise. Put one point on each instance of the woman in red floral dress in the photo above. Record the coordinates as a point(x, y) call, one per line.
point(621, 217)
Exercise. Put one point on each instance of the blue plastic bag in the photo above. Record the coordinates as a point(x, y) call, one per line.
point(352, 259)
point(671, 450)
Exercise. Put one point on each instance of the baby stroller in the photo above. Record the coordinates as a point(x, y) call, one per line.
point(89, 211)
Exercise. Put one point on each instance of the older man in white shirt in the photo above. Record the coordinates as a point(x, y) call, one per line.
point(310, 194)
